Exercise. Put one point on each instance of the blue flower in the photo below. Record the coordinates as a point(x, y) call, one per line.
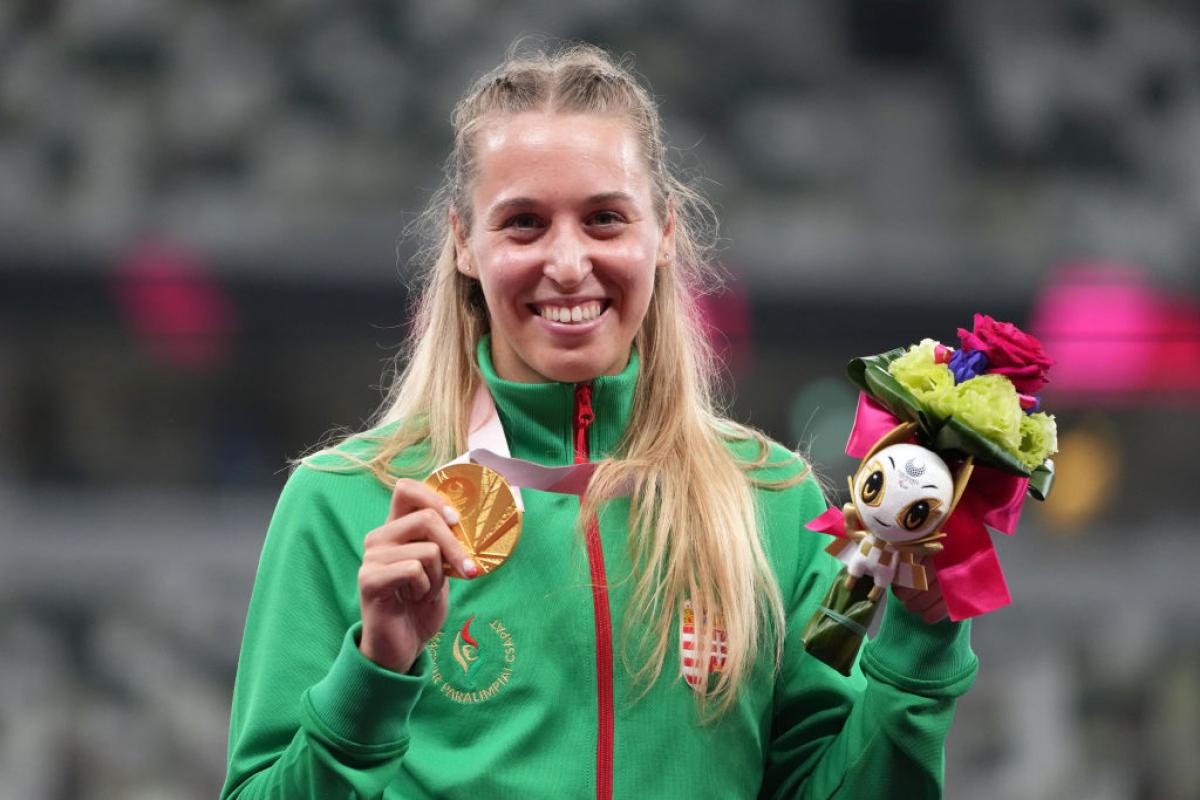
point(967, 364)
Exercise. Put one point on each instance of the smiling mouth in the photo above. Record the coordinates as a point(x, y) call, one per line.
point(571, 314)
point(881, 522)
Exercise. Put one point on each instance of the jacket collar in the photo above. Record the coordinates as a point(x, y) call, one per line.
point(539, 418)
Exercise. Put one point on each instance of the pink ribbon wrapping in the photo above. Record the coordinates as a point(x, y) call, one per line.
point(967, 568)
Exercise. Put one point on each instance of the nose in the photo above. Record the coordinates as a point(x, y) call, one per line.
point(567, 260)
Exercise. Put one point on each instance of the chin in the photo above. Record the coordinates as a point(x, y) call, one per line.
point(572, 373)
point(573, 367)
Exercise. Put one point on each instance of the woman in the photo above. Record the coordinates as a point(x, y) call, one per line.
point(642, 640)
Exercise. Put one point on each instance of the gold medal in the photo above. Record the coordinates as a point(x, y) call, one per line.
point(489, 523)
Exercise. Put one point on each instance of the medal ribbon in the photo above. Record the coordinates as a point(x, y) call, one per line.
point(487, 445)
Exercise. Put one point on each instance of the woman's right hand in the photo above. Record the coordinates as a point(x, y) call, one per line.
point(401, 585)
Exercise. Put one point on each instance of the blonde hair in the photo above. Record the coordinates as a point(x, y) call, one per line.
point(693, 528)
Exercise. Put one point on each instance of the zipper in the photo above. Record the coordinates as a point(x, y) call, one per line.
point(584, 415)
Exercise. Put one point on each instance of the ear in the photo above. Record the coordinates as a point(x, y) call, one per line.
point(901, 433)
point(462, 254)
point(666, 242)
point(960, 483)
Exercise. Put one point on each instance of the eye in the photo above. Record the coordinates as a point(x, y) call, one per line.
point(523, 222)
point(605, 219)
point(917, 513)
point(872, 488)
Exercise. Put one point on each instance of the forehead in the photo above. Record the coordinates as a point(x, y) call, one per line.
point(913, 462)
point(546, 155)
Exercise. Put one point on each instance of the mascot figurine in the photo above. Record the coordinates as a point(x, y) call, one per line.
point(899, 496)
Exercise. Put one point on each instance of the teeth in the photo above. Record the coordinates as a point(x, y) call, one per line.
point(580, 313)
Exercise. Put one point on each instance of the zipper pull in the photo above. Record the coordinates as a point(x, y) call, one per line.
point(583, 418)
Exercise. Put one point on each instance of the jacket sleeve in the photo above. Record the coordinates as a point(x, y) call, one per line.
point(312, 717)
point(880, 732)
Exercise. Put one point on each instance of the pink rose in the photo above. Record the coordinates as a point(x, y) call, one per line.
point(1010, 352)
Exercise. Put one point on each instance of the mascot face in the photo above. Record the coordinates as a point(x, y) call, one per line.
point(903, 492)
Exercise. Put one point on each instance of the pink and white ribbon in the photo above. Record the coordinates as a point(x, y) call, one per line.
point(487, 445)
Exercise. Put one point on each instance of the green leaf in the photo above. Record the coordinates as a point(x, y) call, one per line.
point(836, 641)
point(957, 437)
point(1042, 480)
point(870, 374)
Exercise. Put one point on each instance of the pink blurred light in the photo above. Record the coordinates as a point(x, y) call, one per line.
point(725, 318)
point(1116, 337)
point(174, 307)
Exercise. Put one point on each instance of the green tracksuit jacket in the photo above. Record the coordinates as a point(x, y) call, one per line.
point(524, 693)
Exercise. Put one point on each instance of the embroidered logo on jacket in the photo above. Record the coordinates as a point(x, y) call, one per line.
point(466, 649)
point(689, 644)
point(478, 663)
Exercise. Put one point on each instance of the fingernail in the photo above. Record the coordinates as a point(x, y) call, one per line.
point(469, 569)
point(450, 514)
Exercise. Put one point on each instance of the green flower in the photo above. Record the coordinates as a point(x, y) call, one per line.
point(917, 371)
point(989, 405)
point(1039, 439)
point(942, 401)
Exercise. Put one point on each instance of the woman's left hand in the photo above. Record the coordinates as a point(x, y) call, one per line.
point(930, 604)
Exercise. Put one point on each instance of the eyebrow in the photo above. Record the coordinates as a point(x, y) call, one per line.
point(609, 197)
point(929, 486)
point(520, 203)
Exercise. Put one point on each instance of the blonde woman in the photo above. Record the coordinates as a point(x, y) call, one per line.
point(643, 638)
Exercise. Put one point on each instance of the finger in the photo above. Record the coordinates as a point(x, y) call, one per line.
point(435, 598)
point(923, 601)
point(916, 600)
point(936, 613)
point(410, 495)
point(404, 579)
point(909, 596)
point(428, 525)
point(390, 553)
point(428, 554)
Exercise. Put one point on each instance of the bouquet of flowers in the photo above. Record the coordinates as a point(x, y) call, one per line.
point(951, 441)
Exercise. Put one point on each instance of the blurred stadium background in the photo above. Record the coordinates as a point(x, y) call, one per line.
point(201, 272)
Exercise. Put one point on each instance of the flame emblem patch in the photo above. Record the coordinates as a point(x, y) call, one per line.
point(466, 649)
point(478, 663)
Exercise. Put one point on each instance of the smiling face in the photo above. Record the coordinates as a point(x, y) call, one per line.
point(903, 492)
point(564, 239)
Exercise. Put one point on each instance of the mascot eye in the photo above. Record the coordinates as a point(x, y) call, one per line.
point(872, 488)
point(916, 514)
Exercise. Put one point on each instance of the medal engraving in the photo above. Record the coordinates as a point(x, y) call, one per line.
point(490, 523)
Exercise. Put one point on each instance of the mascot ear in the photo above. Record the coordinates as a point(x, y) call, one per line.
point(960, 483)
point(901, 433)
